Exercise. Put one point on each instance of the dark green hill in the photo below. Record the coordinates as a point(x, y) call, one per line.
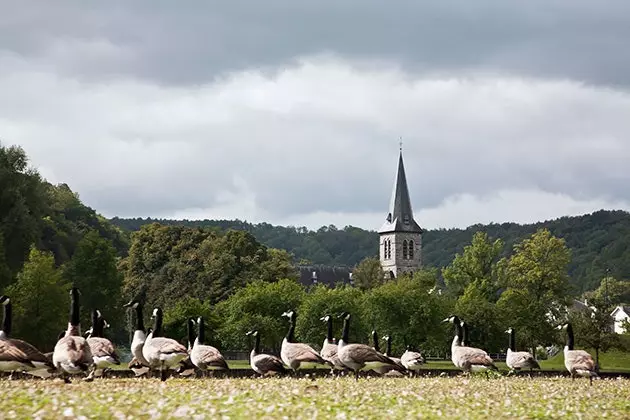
point(598, 241)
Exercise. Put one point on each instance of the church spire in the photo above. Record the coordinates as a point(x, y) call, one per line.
point(400, 216)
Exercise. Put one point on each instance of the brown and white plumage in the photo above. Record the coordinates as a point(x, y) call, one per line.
point(329, 348)
point(468, 358)
point(72, 354)
point(204, 356)
point(103, 351)
point(262, 363)
point(295, 354)
point(578, 362)
point(517, 360)
point(356, 356)
point(162, 353)
point(18, 355)
point(385, 369)
point(411, 359)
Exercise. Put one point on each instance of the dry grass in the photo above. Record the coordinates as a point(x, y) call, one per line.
point(457, 397)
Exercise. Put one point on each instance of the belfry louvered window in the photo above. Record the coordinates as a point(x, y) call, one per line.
point(405, 250)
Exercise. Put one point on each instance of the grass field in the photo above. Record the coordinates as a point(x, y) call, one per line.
point(392, 398)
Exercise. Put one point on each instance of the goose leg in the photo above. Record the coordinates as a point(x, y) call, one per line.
point(356, 375)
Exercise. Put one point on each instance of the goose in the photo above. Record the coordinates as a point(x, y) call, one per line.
point(138, 363)
point(103, 351)
point(294, 354)
point(468, 358)
point(578, 362)
point(186, 367)
point(517, 360)
point(204, 356)
point(356, 356)
point(384, 369)
point(412, 359)
point(162, 353)
point(72, 354)
point(262, 363)
point(329, 348)
point(18, 355)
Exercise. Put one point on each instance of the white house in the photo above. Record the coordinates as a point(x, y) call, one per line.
point(620, 314)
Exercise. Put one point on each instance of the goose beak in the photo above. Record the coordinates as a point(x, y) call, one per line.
point(446, 320)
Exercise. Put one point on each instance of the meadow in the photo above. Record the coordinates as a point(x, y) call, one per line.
point(342, 398)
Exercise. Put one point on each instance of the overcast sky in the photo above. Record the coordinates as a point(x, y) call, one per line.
point(290, 111)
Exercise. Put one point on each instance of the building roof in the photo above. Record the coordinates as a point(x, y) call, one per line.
point(400, 216)
point(624, 308)
point(327, 275)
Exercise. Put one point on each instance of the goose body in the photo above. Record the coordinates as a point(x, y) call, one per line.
point(468, 358)
point(72, 354)
point(203, 355)
point(295, 354)
point(384, 369)
point(517, 360)
point(18, 355)
point(329, 347)
point(356, 356)
point(162, 353)
point(262, 363)
point(103, 351)
point(578, 362)
point(412, 360)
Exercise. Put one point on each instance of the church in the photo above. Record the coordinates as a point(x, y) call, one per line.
point(400, 241)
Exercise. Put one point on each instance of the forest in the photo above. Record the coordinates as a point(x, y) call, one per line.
point(242, 276)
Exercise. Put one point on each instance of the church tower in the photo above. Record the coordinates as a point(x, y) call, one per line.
point(400, 236)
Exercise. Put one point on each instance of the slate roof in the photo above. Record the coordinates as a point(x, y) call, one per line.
point(400, 216)
point(331, 276)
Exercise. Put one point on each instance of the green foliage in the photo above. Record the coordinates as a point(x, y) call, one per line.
point(611, 291)
point(40, 301)
point(482, 318)
point(321, 301)
point(477, 264)
point(594, 328)
point(368, 274)
point(93, 270)
point(259, 305)
point(176, 319)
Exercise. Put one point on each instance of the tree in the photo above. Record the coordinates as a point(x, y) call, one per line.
point(93, 270)
point(176, 318)
point(537, 285)
point(368, 274)
point(594, 327)
point(482, 318)
point(258, 305)
point(41, 300)
point(477, 264)
point(611, 291)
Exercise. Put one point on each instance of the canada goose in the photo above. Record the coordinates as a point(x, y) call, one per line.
point(356, 356)
point(186, 367)
point(103, 352)
point(383, 369)
point(467, 358)
point(162, 353)
point(18, 355)
point(294, 354)
point(388, 352)
point(329, 348)
point(517, 360)
point(72, 353)
point(578, 362)
point(412, 359)
point(140, 364)
point(203, 355)
point(264, 364)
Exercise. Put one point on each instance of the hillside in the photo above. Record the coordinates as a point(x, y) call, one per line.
point(598, 241)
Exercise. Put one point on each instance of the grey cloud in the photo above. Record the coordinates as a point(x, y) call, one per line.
point(172, 43)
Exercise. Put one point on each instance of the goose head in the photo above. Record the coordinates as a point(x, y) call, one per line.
point(325, 318)
point(509, 330)
point(344, 315)
point(4, 300)
point(453, 319)
point(156, 312)
point(290, 314)
point(253, 333)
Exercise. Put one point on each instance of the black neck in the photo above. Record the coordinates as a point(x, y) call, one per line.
point(346, 330)
point(98, 329)
point(512, 340)
point(389, 345)
point(139, 317)
point(465, 334)
point(6, 320)
point(191, 333)
point(458, 329)
point(94, 322)
point(329, 335)
point(157, 325)
point(570, 336)
point(291, 333)
point(375, 340)
point(201, 331)
point(74, 308)
point(257, 343)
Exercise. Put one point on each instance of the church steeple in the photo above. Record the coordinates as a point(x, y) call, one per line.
point(400, 236)
point(400, 216)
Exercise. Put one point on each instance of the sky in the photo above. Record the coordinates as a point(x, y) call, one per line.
point(291, 112)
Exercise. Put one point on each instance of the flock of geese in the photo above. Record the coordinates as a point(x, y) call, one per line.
point(152, 352)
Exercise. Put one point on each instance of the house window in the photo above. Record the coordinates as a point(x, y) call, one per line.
point(411, 250)
point(405, 253)
point(389, 249)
